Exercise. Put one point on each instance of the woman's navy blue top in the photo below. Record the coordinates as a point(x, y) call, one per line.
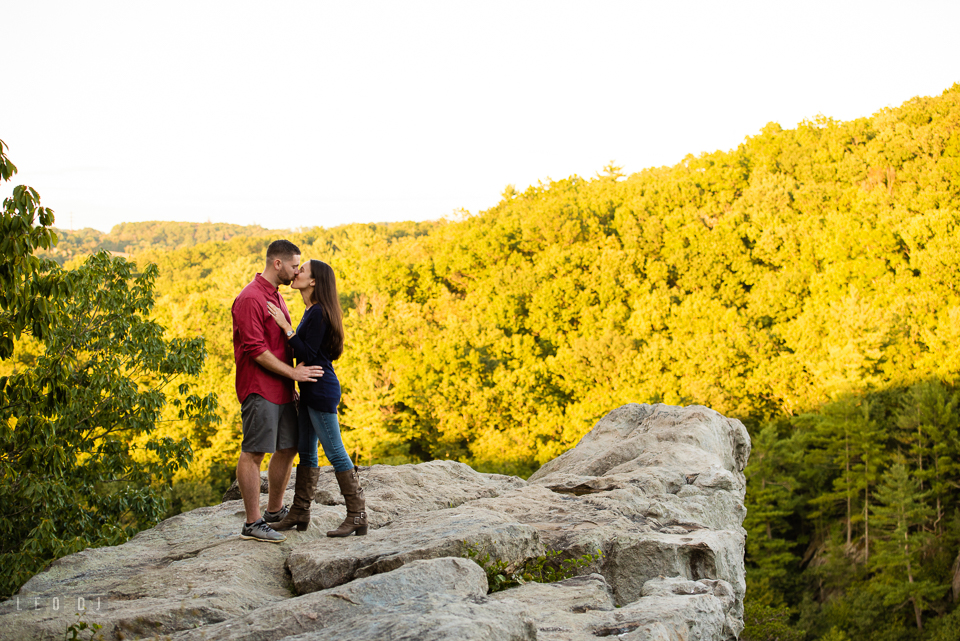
point(324, 395)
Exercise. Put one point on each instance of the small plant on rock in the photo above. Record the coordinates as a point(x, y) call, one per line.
point(73, 631)
point(547, 568)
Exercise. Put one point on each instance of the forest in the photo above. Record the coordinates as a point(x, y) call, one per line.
point(805, 283)
point(128, 238)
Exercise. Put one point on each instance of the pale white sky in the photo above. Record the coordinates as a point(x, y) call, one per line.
point(291, 114)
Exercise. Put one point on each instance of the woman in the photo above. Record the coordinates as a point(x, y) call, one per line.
point(318, 340)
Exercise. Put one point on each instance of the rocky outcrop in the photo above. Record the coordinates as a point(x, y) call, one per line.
point(414, 601)
point(657, 489)
point(327, 563)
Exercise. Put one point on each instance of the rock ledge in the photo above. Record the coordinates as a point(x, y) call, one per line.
point(657, 489)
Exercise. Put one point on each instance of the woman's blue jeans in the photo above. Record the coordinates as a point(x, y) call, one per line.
point(314, 426)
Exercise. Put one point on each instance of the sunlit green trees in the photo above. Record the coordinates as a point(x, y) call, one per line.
point(67, 422)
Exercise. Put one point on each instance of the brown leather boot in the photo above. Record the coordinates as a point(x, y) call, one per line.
point(356, 520)
point(303, 491)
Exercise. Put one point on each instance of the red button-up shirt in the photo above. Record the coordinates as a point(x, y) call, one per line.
point(255, 332)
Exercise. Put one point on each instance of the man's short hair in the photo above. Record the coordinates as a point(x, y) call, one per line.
point(282, 249)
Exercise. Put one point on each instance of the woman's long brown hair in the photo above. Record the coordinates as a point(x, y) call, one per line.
point(325, 295)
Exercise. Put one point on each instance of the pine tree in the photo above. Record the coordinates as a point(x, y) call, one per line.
point(930, 427)
point(900, 512)
point(772, 497)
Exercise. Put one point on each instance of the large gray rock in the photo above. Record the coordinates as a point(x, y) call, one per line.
point(431, 599)
point(189, 570)
point(435, 618)
point(657, 489)
point(326, 563)
point(635, 549)
point(675, 609)
point(393, 490)
point(674, 477)
point(576, 606)
point(702, 554)
point(582, 609)
point(671, 466)
point(634, 437)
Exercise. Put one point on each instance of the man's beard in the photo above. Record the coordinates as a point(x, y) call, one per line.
point(286, 281)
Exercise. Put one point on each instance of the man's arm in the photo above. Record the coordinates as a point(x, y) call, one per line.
point(302, 373)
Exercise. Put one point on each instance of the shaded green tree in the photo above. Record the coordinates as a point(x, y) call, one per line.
point(854, 444)
point(766, 623)
point(929, 421)
point(900, 513)
point(773, 496)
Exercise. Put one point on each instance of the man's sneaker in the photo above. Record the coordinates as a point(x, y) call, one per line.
point(260, 531)
point(276, 517)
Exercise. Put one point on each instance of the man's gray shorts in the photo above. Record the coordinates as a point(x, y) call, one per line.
point(267, 427)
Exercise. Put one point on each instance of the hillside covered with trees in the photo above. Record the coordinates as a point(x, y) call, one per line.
point(805, 282)
point(127, 238)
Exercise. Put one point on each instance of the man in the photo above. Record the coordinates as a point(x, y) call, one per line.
point(265, 376)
